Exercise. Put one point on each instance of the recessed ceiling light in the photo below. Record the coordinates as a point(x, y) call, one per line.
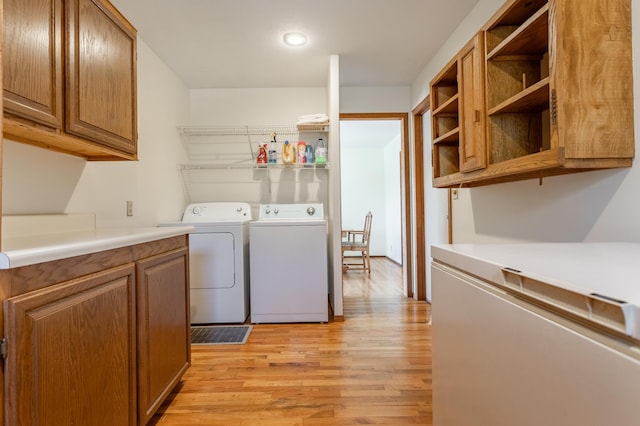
point(295, 39)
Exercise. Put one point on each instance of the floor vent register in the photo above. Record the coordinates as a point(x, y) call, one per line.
point(220, 335)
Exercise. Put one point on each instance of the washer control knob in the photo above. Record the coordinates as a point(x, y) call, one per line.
point(267, 210)
point(311, 211)
point(276, 210)
point(239, 209)
point(196, 210)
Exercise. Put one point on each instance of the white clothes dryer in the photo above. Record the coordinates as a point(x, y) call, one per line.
point(289, 269)
point(218, 261)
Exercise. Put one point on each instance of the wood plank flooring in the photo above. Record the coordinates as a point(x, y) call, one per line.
point(373, 368)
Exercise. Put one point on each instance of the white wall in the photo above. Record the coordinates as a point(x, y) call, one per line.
point(375, 99)
point(40, 181)
point(363, 188)
point(590, 206)
point(393, 200)
point(259, 107)
point(255, 106)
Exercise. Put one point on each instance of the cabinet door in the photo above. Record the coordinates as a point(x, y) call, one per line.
point(72, 355)
point(473, 153)
point(32, 61)
point(164, 330)
point(101, 75)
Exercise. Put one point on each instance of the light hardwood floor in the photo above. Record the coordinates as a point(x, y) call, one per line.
point(373, 368)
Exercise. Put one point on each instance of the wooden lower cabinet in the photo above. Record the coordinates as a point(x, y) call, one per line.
point(98, 339)
point(72, 357)
point(163, 328)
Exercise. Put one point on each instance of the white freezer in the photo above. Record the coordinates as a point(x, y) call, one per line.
point(512, 343)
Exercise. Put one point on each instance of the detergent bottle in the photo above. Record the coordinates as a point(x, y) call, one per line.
point(321, 152)
point(262, 154)
point(310, 154)
point(288, 153)
point(272, 156)
point(302, 152)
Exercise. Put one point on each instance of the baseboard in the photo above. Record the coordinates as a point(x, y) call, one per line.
point(392, 260)
point(376, 257)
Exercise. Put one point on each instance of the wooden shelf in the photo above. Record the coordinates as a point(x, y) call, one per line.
point(450, 106)
point(530, 38)
point(451, 136)
point(519, 12)
point(533, 98)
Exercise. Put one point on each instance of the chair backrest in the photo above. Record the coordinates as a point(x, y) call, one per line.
point(367, 228)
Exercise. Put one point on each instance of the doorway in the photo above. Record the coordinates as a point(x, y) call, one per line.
point(404, 254)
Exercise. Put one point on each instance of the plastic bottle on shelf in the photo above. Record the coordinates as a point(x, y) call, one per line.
point(310, 154)
point(273, 157)
point(302, 152)
point(321, 152)
point(288, 153)
point(262, 154)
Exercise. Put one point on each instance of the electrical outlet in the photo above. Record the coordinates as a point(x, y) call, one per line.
point(129, 208)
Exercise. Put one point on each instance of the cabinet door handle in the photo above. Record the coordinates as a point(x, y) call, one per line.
point(477, 116)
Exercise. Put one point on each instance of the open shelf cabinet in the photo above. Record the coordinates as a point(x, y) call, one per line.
point(557, 91)
point(457, 104)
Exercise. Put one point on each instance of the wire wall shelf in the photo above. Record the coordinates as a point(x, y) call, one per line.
point(224, 156)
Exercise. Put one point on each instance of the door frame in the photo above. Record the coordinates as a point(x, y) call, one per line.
point(418, 136)
point(418, 149)
point(405, 182)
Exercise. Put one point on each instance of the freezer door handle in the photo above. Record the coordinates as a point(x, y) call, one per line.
point(601, 310)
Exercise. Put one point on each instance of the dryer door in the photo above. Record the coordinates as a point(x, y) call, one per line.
point(212, 260)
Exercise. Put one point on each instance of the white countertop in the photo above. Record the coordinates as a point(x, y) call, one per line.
point(28, 250)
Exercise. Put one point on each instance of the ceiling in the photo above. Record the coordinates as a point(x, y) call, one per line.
point(238, 43)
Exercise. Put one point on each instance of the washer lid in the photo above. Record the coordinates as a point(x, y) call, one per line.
point(217, 212)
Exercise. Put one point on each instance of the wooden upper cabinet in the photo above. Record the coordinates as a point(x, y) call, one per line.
point(591, 80)
point(472, 131)
point(558, 85)
point(33, 71)
point(458, 113)
point(101, 76)
point(70, 77)
point(445, 121)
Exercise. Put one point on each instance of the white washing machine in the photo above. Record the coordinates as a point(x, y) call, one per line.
point(218, 261)
point(289, 270)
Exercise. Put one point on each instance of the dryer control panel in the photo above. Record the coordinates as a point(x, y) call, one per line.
point(217, 212)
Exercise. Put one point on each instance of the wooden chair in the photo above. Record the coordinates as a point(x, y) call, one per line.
point(358, 240)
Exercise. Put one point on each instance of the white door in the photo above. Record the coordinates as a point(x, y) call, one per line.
point(212, 260)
